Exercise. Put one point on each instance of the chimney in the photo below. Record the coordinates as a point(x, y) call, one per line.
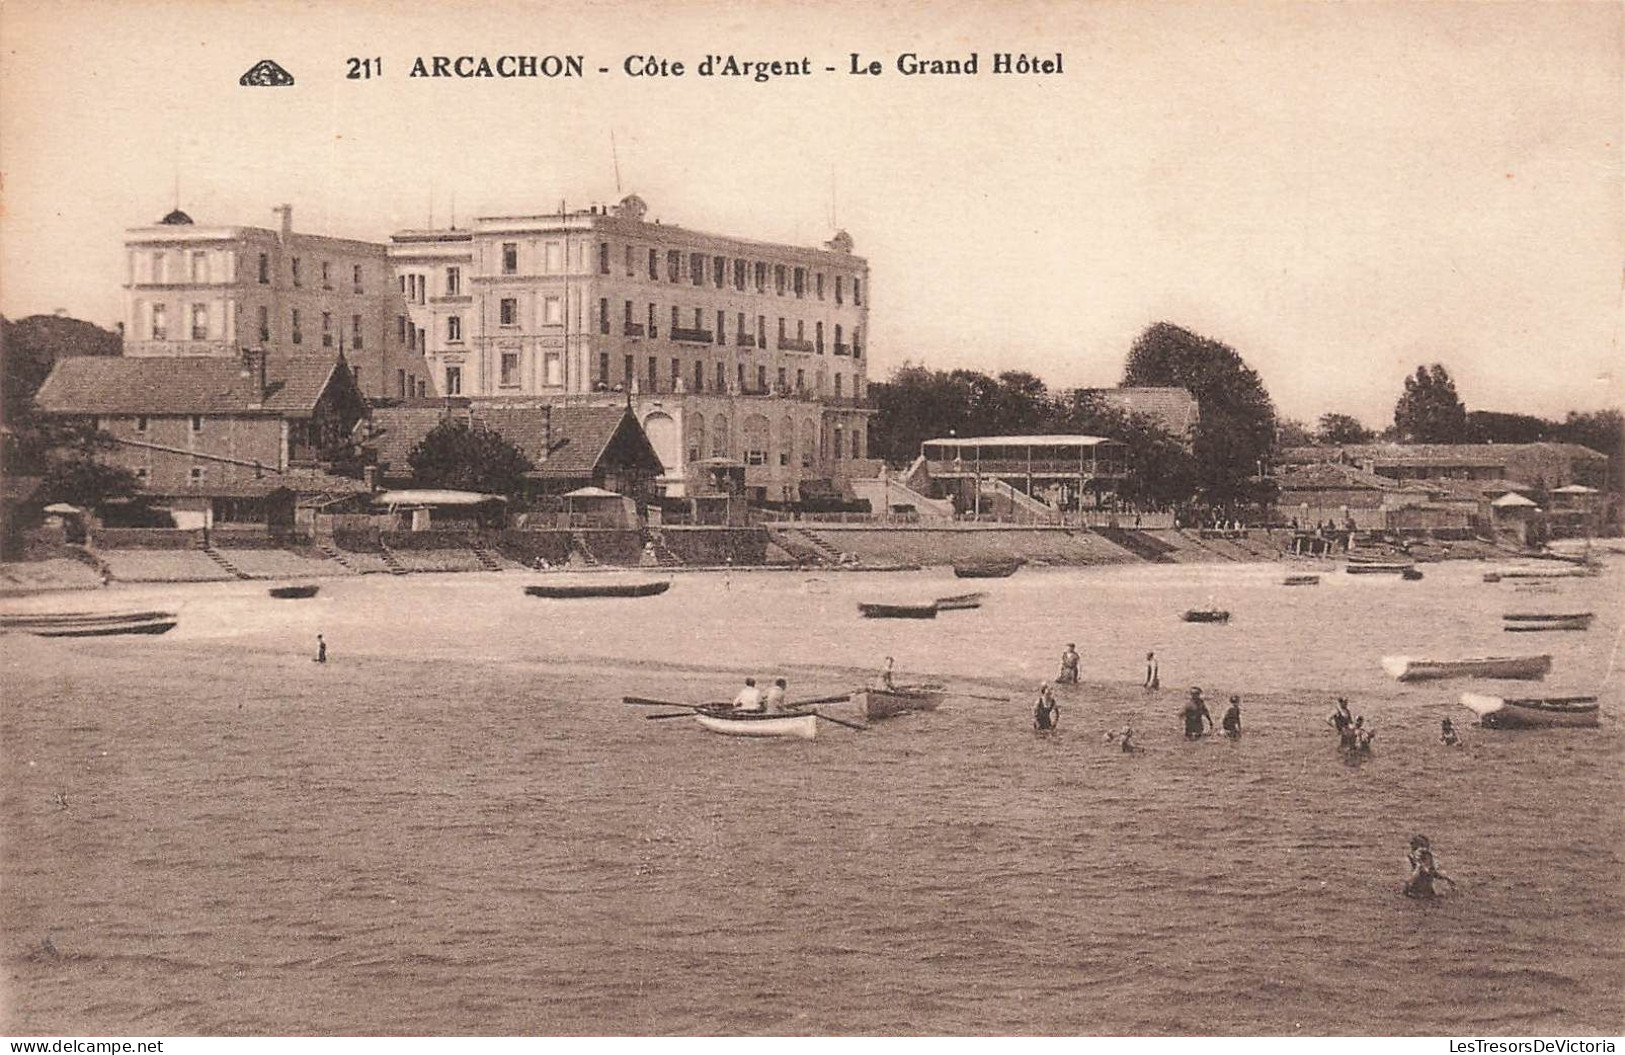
point(253, 372)
point(287, 219)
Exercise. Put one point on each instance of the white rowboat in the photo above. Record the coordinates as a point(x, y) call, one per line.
point(804, 726)
point(1407, 668)
point(1499, 712)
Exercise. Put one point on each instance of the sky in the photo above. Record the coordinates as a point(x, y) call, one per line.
point(1338, 191)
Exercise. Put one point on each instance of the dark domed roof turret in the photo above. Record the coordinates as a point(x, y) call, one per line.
point(176, 218)
point(631, 207)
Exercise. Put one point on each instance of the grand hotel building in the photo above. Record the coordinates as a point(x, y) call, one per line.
point(732, 352)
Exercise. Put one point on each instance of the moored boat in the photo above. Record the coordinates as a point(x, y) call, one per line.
point(988, 569)
point(960, 601)
point(1501, 712)
point(56, 620)
point(1377, 567)
point(1407, 668)
point(1205, 615)
point(1411, 574)
point(608, 589)
point(294, 593)
point(1567, 571)
point(142, 626)
point(803, 726)
point(883, 703)
point(898, 611)
point(1301, 580)
point(1530, 622)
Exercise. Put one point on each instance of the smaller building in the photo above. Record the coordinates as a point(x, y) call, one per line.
point(1033, 477)
point(1540, 465)
point(1172, 408)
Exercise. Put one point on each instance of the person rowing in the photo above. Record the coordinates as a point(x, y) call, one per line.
point(1424, 869)
point(749, 699)
point(773, 699)
point(1195, 713)
point(1046, 713)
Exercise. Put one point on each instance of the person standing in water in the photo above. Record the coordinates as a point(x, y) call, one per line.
point(1232, 719)
point(885, 680)
point(1195, 713)
point(1152, 680)
point(1046, 714)
point(1069, 665)
point(321, 649)
point(1424, 869)
point(1340, 719)
point(1447, 734)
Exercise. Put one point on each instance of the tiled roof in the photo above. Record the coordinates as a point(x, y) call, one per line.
point(1327, 476)
point(396, 430)
point(1175, 409)
point(580, 436)
point(125, 385)
point(1431, 453)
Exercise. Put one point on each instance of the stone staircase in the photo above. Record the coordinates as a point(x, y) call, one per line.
point(1024, 507)
point(392, 562)
point(489, 560)
point(578, 544)
point(663, 553)
point(804, 544)
point(1143, 546)
point(335, 556)
point(220, 559)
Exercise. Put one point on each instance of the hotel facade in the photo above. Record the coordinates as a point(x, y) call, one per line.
point(734, 354)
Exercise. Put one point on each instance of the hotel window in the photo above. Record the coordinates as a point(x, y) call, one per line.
point(857, 292)
point(327, 275)
point(801, 331)
point(818, 284)
point(355, 332)
point(412, 338)
point(555, 257)
point(200, 267)
point(454, 327)
point(676, 373)
point(200, 322)
point(784, 381)
point(627, 321)
point(553, 311)
point(508, 311)
point(761, 277)
point(741, 378)
point(801, 380)
point(160, 324)
point(454, 380)
point(603, 314)
point(654, 265)
point(141, 424)
point(755, 457)
point(355, 278)
point(778, 279)
point(400, 383)
point(818, 337)
point(298, 334)
point(676, 320)
point(510, 369)
point(553, 368)
point(654, 330)
point(631, 267)
point(298, 275)
point(838, 350)
point(603, 369)
point(761, 332)
point(654, 374)
point(423, 340)
point(739, 275)
point(722, 378)
point(674, 265)
point(719, 271)
point(696, 268)
point(327, 329)
point(840, 290)
point(603, 258)
point(857, 346)
point(510, 258)
point(400, 329)
point(265, 269)
point(265, 324)
point(628, 371)
point(699, 319)
point(761, 379)
point(158, 275)
point(699, 377)
point(838, 386)
point(781, 331)
point(801, 282)
point(197, 423)
point(722, 327)
point(739, 328)
point(454, 281)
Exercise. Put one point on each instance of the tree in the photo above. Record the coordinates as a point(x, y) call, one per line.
point(32, 346)
point(1235, 435)
point(460, 458)
point(1430, 411)
point(1343, 428)
point(1290, 432)
point(1489, 426)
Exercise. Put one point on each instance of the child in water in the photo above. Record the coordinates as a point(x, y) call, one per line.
point(1447, 734)
point(1046, 714)
point(1424, 869)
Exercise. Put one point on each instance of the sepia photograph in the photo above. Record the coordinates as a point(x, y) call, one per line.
point(896, 519)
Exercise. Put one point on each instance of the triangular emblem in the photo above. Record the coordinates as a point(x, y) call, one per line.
point(265, 74)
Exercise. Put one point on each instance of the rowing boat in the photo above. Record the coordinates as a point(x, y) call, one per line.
point(1405, 668)
point(58, 620)
point(960, 601)
point(1205, 615)
point(989, 569)
point(1411, 574)
point(1301, 580)
point(1500, 712)
point(898, 611)
point(804, 726)
point(1378, 567)
point(608, 589)
point(294, 593)
point(1533, 622)
point(883, 703)
point(1565, 572)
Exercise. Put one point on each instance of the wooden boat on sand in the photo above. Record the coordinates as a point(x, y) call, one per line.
point(1530, 622)
point(90, 624)
point(294, 593)
point(988, 569)
point(733, 723)
point(1407, 668)
point(1301, 580)
point(1377, 567)
point(1501, 712)
point(960, 601)
point(1205, 615)
point(608, 589)
point(898, 611)
point(873, 704)
point(1567, 571)
point(1411, 574)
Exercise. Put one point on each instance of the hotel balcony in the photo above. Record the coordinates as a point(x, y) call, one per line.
point(745, 340)
point(632, 329)
point(843, 349)
point(792, 344)
point(688, 336)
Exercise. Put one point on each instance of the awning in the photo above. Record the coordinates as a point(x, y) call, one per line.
point(592, 492)
point(434, 498)
point(1512, 500)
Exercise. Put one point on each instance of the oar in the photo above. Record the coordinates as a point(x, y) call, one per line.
point(837, 721)
point(975, 696)
point(643, 701)
point(822, 699)
point(658, 717)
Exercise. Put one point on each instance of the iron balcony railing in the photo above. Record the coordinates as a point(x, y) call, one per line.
point(691, 336)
